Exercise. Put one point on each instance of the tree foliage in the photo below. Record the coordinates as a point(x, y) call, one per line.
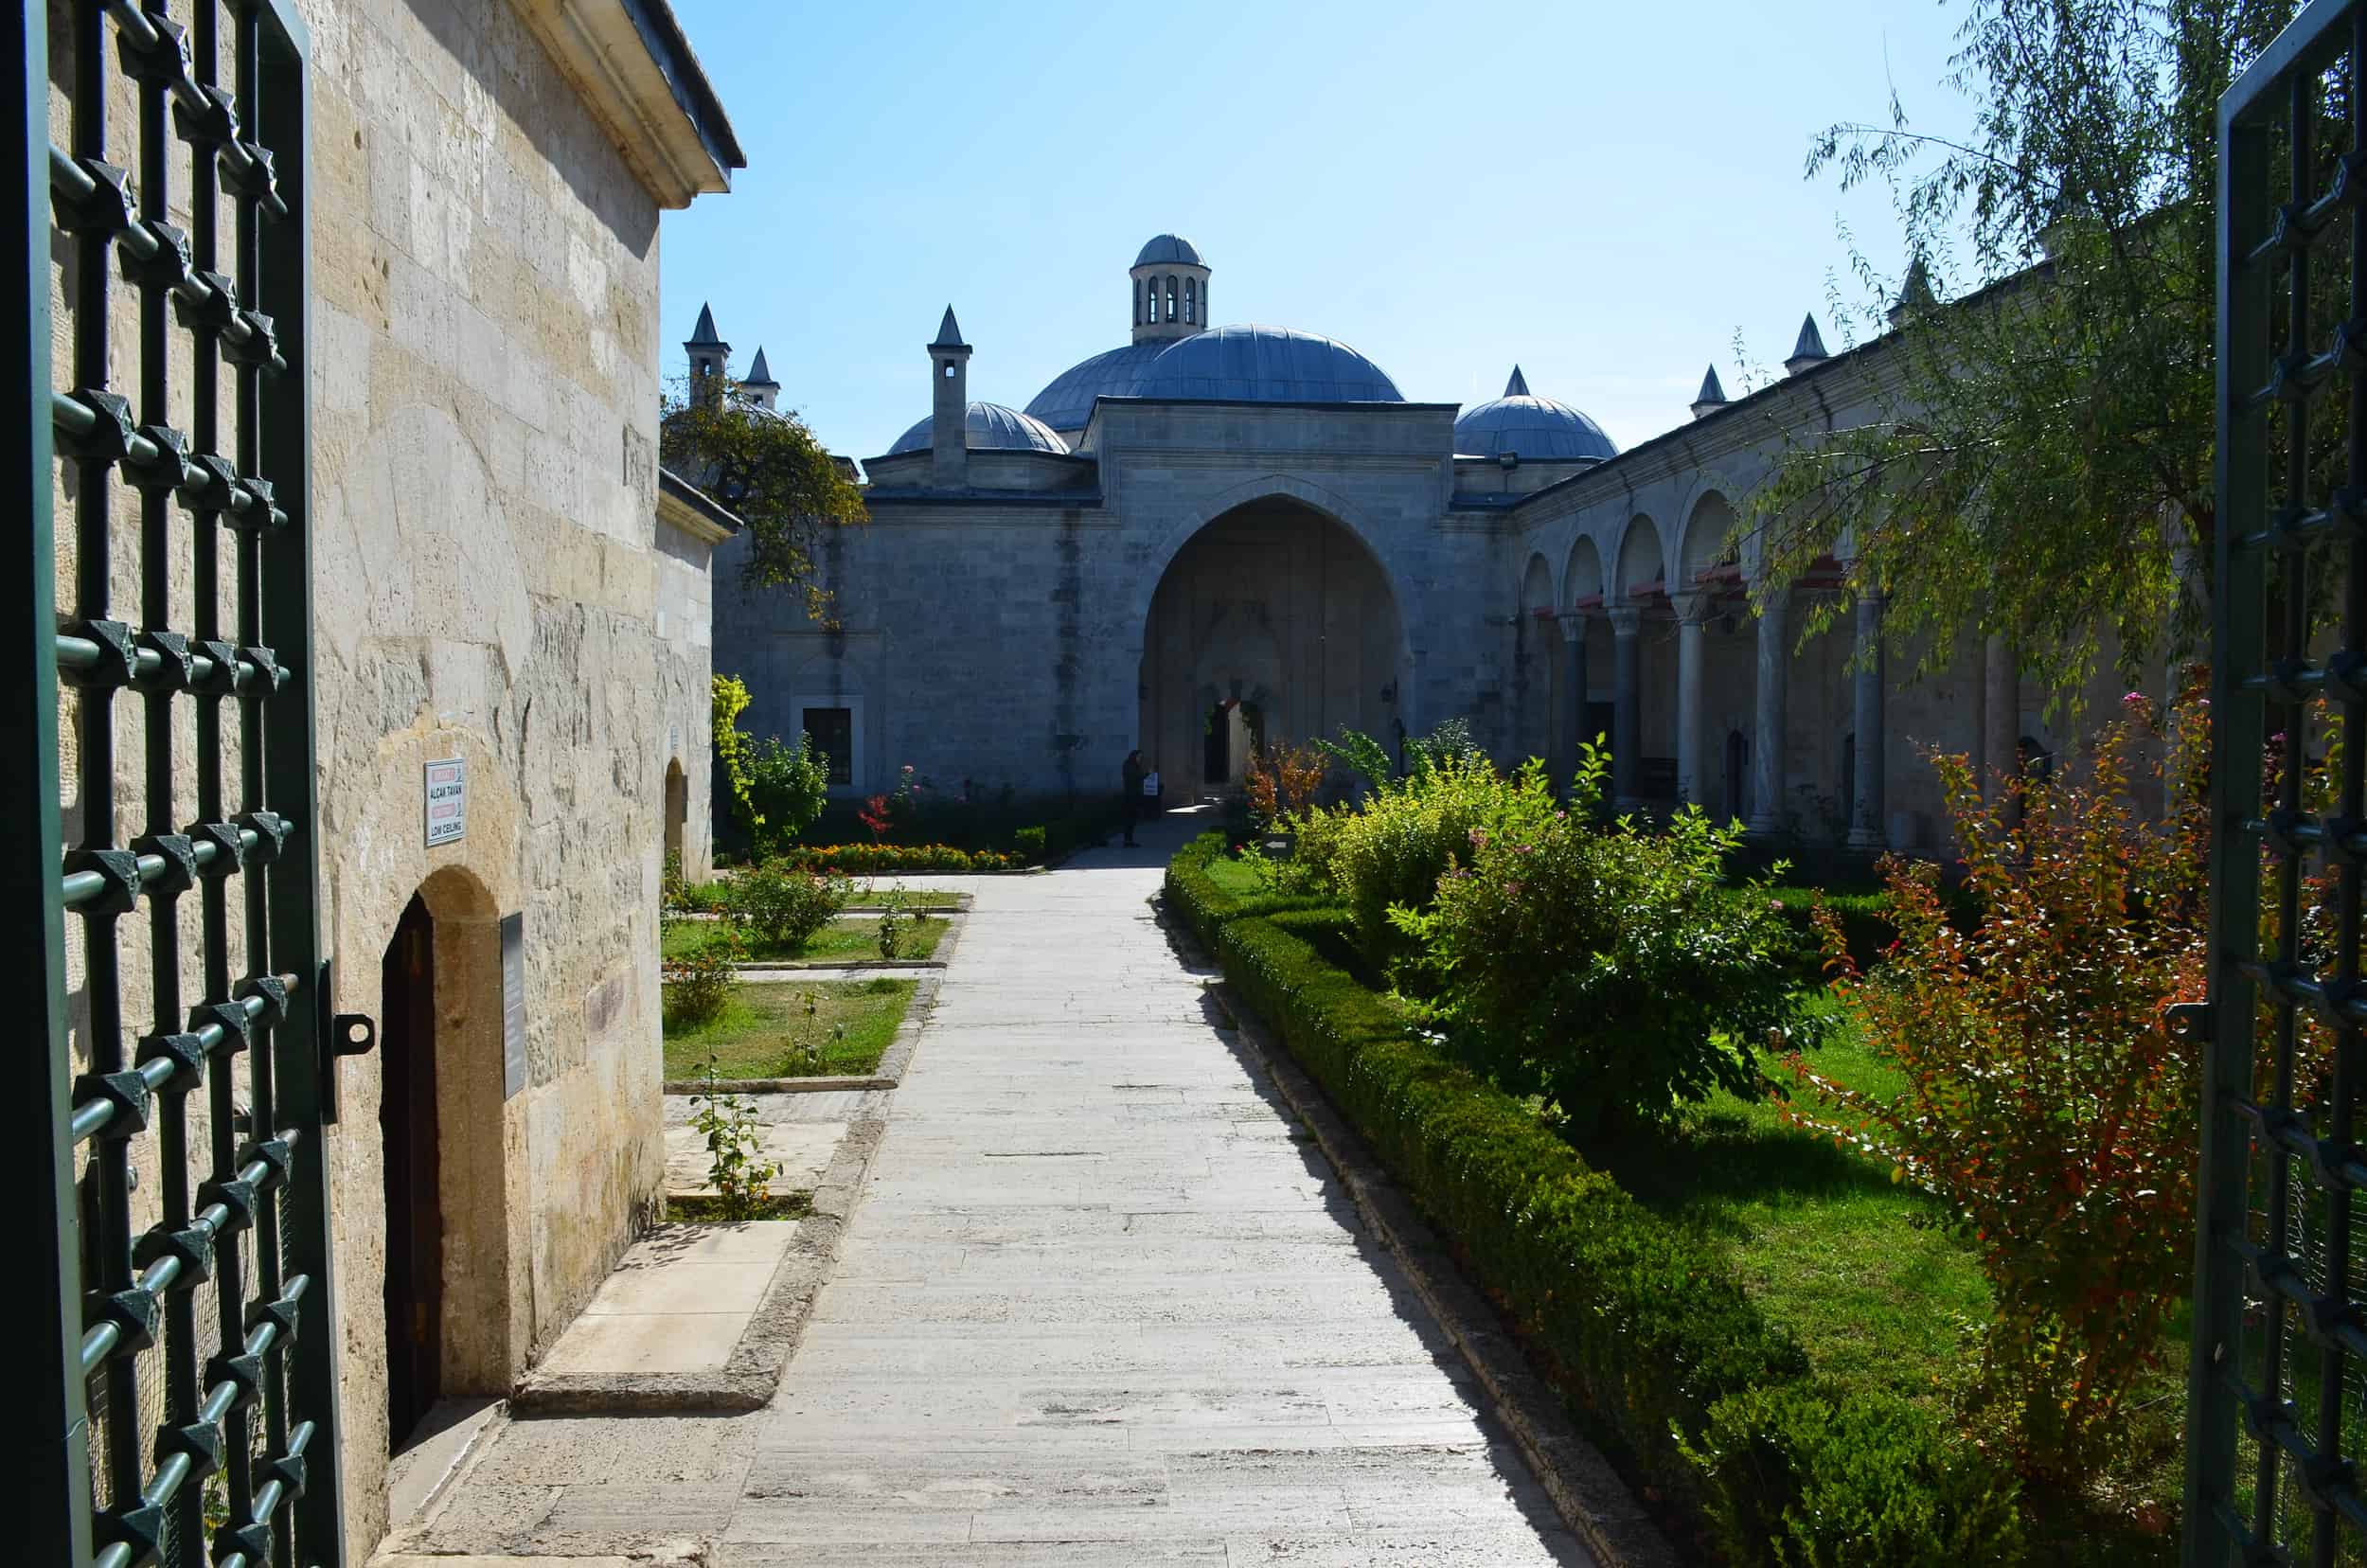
point(2056, 412)
point(768, 467)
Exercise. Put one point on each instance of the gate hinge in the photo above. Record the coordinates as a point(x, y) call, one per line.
point(337, 1035)
point(2192, 1020)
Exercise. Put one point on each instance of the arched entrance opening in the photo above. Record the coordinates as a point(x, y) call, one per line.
point(448, 1291)
point(415, 1212)
point(677, 814)
point(1273, 625)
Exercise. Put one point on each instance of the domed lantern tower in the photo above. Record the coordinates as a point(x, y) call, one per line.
point(1170, 289)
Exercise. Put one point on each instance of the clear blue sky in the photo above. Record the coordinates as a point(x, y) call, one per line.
point(1607, 194)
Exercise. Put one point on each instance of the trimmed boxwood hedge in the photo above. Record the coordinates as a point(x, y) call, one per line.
point(1643, 1330)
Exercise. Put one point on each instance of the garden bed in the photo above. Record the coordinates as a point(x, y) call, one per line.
point(764, 1031)
point(1726, 1283)
point(847, 940)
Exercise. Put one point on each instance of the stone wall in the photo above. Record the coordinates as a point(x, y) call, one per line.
point(489, 588)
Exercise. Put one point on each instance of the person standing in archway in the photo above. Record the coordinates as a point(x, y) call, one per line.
point(1133, 775)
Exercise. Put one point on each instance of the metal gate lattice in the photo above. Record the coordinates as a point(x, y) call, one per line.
point(176, 1090)
point(2277, 1396)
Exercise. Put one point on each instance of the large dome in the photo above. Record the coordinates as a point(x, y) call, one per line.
point(1266, 365)
point(1528, 426)
point(1068, 402)
point(989, 427)
point(1169, 250)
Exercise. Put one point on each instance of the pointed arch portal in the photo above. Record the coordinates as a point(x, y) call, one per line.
point(1276, 622)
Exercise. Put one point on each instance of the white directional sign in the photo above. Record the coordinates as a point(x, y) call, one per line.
point(447, 801)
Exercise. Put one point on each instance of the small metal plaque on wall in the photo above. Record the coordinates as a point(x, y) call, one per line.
point(513, 1004)
point(445, 793)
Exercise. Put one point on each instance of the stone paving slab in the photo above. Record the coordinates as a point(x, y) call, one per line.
point(1099, 1302)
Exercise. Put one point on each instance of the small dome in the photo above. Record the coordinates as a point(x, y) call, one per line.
point(1170, 249)
point(990, 427)
point(1067, 403)
point(1529, 426)
point(1266, 365)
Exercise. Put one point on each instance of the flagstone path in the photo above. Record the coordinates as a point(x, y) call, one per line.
point(1101, 1304)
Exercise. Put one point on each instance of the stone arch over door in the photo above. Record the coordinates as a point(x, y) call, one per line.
point(677, 808)
point(1276, 612)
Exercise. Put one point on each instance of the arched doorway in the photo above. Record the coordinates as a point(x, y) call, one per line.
point(677, 815)
point(407, 1122)
point(1274, 623)
point(456, 1320)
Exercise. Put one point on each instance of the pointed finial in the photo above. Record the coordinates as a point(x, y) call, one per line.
point(1712, 397)
point(949, 333)
point(759, 374)
point(1809, 350)
point(1519, 386)
point(704, 333)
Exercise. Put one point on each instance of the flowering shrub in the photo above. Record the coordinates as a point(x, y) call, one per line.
point(2048, 1104)
point(862, 860)
point(1606, 970)
point(787, 903)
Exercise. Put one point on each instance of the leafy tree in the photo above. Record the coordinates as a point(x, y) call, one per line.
point(770, 470)
point(2057, 413)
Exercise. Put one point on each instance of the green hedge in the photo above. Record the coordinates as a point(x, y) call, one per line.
point(1641, 1327)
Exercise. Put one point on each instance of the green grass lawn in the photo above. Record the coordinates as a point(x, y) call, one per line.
point(1847, 1261)
point(847, 940)
point(765, 1030)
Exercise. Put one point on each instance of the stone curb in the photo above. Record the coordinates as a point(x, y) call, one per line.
point(1587, 1494)
point(753, 1371)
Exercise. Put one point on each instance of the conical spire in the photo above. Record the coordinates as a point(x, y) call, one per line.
point(1809, 350)
point(949, 333)
point(703, 334)
point(759, 374)
point(1915, 294)
point(1519, 386)
point(1712, 397)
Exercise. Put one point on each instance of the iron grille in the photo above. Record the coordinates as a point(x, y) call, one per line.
point(174, 1090)
point(2275, 1393)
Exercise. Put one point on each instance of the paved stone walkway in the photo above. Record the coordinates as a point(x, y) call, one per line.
point(1101, 1304)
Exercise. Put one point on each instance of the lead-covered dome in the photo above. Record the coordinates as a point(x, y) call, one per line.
point(1068, 402)
point(989, 427)
point(1528, 426)
point(1169, 250)
point(1266, 365)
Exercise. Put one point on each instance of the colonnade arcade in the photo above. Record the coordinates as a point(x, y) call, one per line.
point(1701, 696)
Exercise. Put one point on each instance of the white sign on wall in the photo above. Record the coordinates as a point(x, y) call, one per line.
point(446, 801)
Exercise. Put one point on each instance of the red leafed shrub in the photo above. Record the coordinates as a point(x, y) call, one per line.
point(875, 816)
point(1281, 781)
point(2048, 1104)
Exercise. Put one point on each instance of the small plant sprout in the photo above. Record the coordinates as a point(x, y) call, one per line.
point(741, 1177)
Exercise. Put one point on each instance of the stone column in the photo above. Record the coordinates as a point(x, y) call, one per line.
point(1767, 746)
point(1573, 624)
point(1866, 813)
point(2001, 716)
point(1627, 714)
point(1692, 612)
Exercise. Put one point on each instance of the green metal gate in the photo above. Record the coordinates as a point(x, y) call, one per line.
point(2277, 1392)
point(175, 1078)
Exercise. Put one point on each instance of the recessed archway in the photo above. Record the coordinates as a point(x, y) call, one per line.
point(447, 1286)
point(677, 816)
point(1276, 615)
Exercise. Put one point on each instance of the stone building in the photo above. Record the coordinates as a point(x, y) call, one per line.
point(1211, 534)
point(508, 638)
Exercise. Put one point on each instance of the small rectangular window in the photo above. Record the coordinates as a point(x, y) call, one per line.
point(948, 372)
point(832, 732)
